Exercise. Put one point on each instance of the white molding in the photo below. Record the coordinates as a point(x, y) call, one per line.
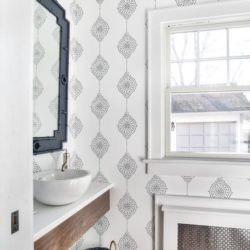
point(199, 167)
point(196, 211)
point(157, 21)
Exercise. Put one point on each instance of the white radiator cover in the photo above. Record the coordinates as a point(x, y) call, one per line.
point(172, 210)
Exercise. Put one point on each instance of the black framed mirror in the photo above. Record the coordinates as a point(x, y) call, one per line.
point(51, 62)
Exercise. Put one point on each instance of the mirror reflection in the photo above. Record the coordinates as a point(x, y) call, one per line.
point(46, 72)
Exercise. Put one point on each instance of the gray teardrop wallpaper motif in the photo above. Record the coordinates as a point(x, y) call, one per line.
point(127, 166)
point(100, 29)
point(220, 189)
point(100, 107)
point(99, 145)
point(127, 85)
point(108, 68)
point(76, 49)
point(75, 126)
point(102, 225)
point(76, 162)
point(127, 125)
point(75, 87)
point(99, 67)
point(76, 12)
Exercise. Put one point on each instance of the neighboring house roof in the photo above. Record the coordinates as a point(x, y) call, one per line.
point(215, 102)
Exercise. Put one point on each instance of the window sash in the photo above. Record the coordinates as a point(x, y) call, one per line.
point(169, 90)
point(211, 59)
point(168, 120)
point(209, 89)
point(197, 28)
point(205, 26)
point(159, 162)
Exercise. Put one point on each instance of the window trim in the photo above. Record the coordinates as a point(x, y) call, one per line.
point(218, 12)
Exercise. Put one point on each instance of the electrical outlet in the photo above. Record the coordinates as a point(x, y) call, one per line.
point(14, 222)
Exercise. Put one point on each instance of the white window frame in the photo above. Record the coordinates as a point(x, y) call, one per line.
point(223, 165)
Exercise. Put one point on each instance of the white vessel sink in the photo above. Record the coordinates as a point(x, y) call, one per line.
point(54, 187)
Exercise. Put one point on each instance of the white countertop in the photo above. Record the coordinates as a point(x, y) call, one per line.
point(47, 218)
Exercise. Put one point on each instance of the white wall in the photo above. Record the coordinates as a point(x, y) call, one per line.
point(16, 122)
point(140, 186)
point(84, 126)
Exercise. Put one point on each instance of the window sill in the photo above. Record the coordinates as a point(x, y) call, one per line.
point(198, 167)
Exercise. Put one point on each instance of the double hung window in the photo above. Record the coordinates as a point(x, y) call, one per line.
point(199, 90)
point(207, 95)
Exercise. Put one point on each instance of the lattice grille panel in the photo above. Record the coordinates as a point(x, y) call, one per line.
point(193, 237)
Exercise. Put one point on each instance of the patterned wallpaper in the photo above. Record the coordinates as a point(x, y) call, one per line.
point(107, 128)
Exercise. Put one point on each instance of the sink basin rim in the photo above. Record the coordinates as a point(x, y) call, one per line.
point(42, 176)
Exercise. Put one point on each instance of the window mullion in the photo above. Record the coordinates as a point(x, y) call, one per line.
point(209, 89)
point(166, 126)
point(197, 64)
point(228, 73)
point(211, 59)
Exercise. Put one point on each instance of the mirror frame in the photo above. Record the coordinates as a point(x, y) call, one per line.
point(54, 143)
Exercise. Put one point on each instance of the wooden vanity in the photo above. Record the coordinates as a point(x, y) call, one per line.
point(59, 227)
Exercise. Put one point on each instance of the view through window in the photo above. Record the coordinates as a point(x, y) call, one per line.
point(210, 89)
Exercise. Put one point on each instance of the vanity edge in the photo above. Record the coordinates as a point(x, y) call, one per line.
point(47, 218)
